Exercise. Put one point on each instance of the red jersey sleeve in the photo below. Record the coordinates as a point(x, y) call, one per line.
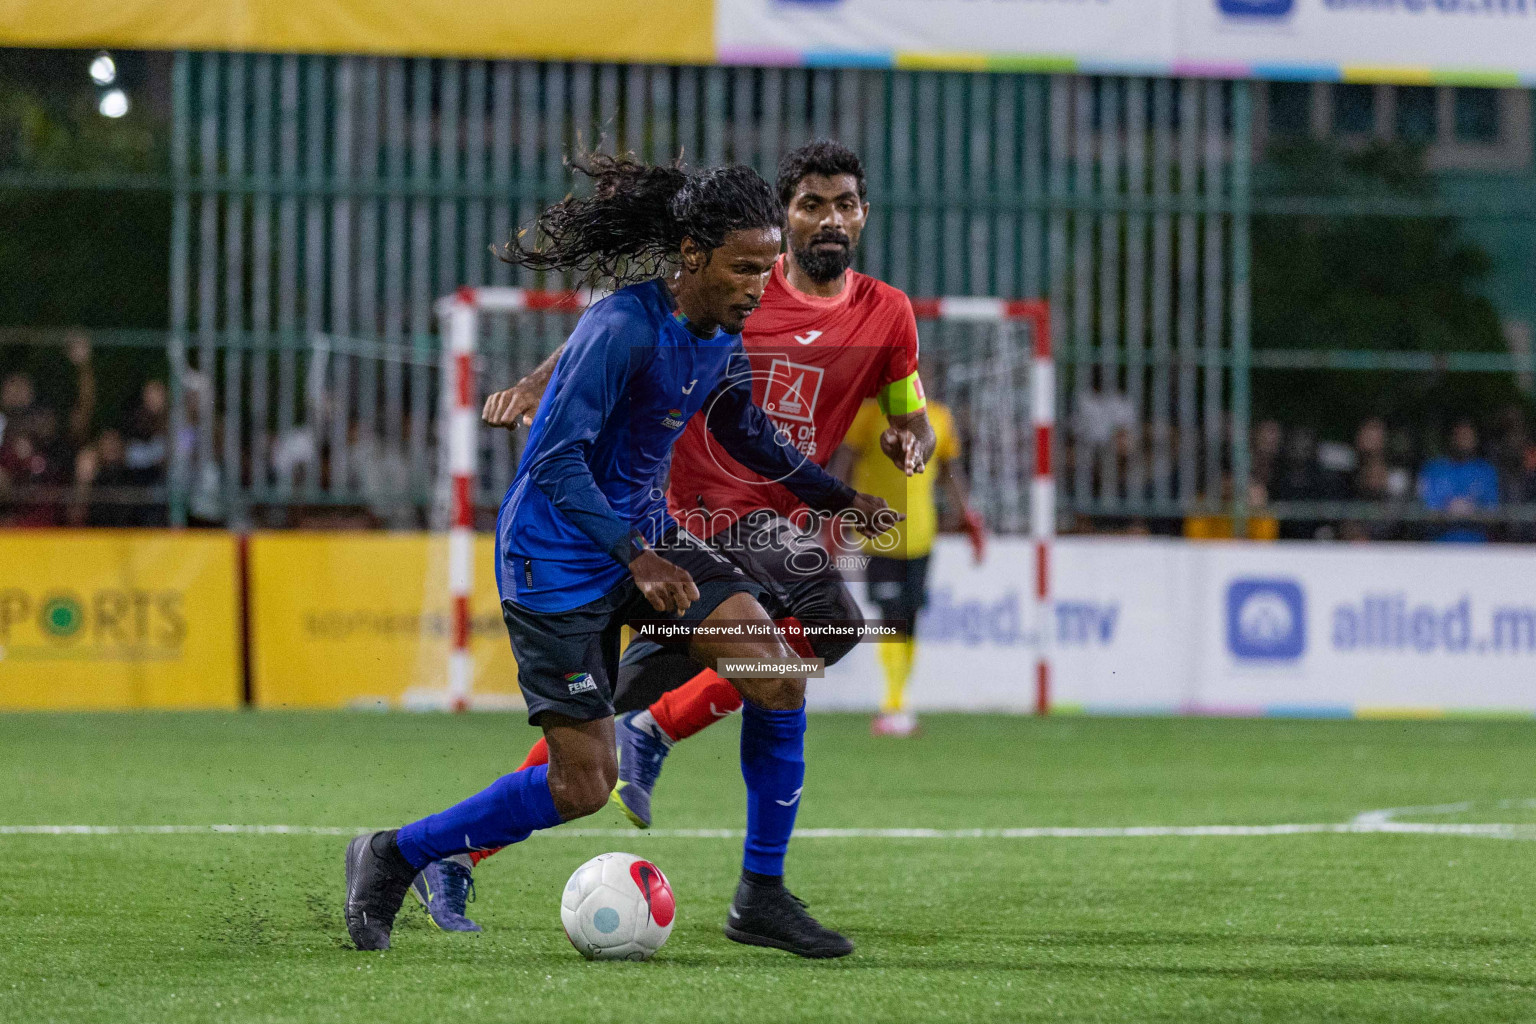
point(900, 392)
point(901, 362)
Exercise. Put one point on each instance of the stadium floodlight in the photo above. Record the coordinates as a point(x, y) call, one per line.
point(103, 69)
point(114, 103)
point(461, 315)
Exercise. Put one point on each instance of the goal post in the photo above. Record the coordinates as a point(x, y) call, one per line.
point(1035, 315)
point(995, 383)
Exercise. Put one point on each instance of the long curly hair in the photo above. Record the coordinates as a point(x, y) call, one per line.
point(637, 216)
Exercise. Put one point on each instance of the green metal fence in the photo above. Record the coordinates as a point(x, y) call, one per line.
point(320, 199)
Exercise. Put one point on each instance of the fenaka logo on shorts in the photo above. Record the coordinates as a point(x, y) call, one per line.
point(579, 682)
point(1266, 619)
point(792, 391)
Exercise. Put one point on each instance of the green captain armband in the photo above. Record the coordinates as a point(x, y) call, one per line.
point(902, 397)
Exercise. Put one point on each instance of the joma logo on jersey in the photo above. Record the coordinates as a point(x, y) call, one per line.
point(792, 391)
point(579, 682)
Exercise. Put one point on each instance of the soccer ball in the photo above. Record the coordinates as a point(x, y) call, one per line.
point(617, 907)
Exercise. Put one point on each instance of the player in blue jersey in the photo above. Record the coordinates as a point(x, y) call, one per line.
point(585, 544)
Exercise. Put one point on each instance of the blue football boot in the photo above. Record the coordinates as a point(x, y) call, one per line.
point(642, 748)
point(444, 888)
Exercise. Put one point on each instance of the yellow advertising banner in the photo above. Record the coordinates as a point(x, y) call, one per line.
point(118, 619)
point(665, 31)
point(359, 619)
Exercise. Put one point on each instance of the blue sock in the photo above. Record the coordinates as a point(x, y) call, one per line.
point(507, 811)
point(773, 764)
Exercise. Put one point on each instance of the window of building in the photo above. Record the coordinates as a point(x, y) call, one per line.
point(1354, 109)
point(1460, 129)
point(1477, 115)
point(1416, 120)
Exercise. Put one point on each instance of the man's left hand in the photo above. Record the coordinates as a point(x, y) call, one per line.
point(903, 448)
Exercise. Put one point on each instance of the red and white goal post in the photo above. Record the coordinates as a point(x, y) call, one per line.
point(462, 313)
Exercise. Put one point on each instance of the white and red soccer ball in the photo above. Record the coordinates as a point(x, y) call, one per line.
point(618, 907)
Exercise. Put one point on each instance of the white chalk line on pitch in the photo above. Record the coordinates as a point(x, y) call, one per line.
point(1357, 827)
point(1430, 810)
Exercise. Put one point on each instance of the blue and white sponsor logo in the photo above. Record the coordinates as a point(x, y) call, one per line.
point(1000, 622)
point(1256, 8)
point(1452, 8)
point(1266, 619)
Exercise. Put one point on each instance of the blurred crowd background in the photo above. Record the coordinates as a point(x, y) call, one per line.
point(66, 460)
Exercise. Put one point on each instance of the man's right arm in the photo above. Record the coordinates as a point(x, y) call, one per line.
point(521, 400)
point(591, 387)
point(591, 383)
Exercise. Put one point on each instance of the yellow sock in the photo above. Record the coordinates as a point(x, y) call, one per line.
point(897, 659)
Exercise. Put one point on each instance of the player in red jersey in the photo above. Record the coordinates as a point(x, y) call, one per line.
point(823, 340)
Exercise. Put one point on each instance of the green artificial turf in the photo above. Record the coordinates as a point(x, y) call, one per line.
point(1315, 927)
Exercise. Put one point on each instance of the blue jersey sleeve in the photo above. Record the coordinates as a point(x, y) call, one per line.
point(745, 431)
point(589, 382)
point(1432, 486)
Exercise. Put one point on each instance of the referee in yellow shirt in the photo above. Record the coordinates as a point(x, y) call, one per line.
point(898, 568)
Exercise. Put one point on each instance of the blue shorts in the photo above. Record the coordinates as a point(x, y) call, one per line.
point(567, 661)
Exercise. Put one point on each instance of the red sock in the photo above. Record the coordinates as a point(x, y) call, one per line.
point(537, 754)
point(794, 635)
point(701, 701)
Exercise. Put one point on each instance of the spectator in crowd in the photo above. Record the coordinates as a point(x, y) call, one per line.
point(116, 476)
point(1459, 483)
point(1268, 438)
point(1102, 414)
point(1298, 478)
point(18, 399)
point(1336, 465)
point(1372, 482)
point(1373, 479)
point(146, 452)
point(26, 466)
point(77, 348)
point(145, 462)
point(1509, 449)
point(1525, 492)
point(37, 455)
point(1374, 460)
point(108, 491)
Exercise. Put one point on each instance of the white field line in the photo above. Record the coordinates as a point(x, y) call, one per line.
point(1392, 813)
point(1357, 827)
point(1430, 810)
